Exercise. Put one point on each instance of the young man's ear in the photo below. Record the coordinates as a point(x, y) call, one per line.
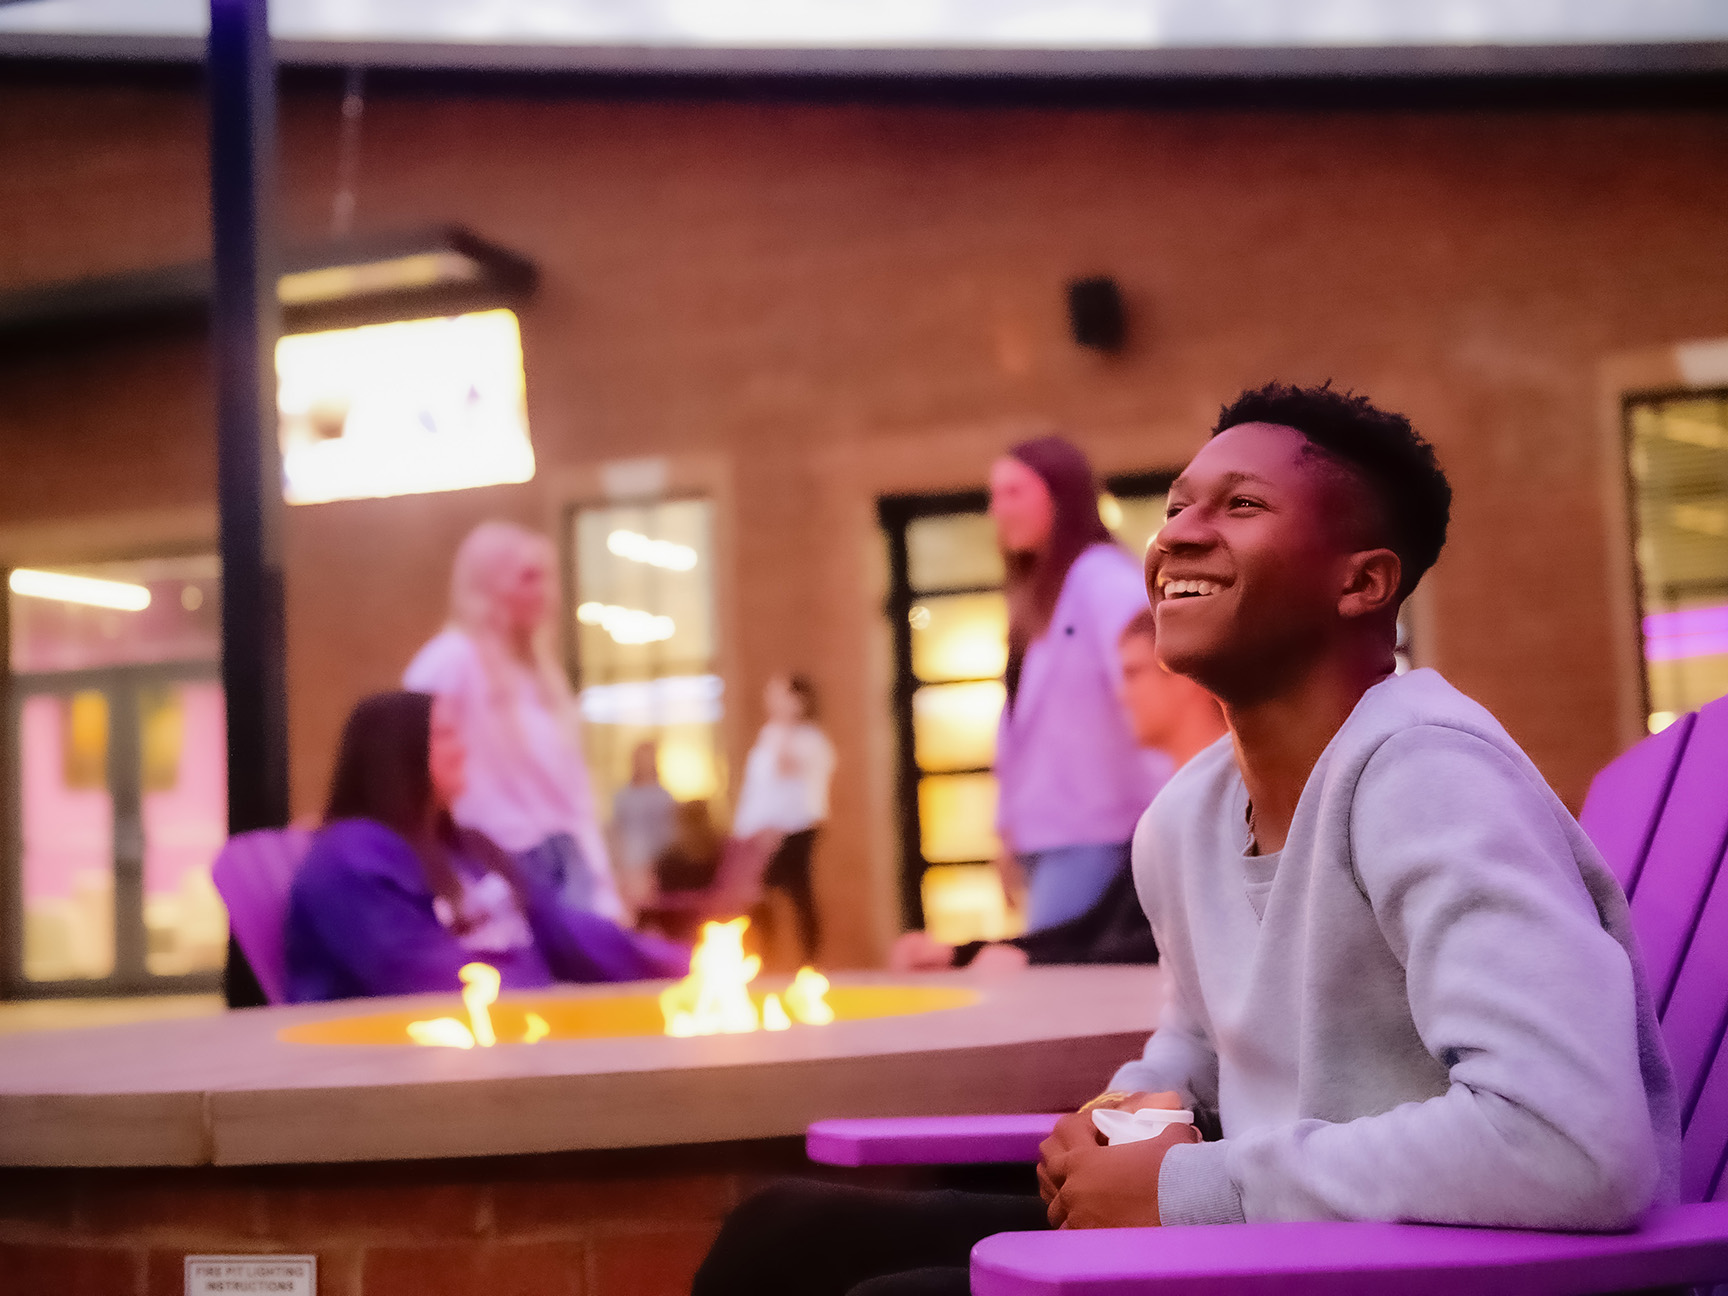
point(1371, 579)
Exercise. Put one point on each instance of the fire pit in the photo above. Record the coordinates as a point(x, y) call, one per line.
point(715, 999)
point(606, 1148)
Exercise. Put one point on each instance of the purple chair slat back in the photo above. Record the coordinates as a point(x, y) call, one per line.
point(253, 874)
point(1706, 1141)
point(1626, 800)
point(1697, 1011)
point(1684, 852)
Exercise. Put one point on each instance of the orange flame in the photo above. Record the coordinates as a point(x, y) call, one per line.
point(480, 983)
point(715, 998)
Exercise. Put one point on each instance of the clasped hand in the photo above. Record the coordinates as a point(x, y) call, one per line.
point(1088, 1184)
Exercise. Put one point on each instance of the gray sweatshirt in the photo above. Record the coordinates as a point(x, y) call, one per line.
point(1426, 1007)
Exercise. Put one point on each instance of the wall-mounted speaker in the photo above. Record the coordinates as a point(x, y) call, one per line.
point(1095, 314)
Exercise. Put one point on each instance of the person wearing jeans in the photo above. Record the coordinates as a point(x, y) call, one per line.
point(1072, 779)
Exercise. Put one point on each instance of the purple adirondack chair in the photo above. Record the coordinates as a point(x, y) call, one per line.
point(1659, 815)
point(253, 874)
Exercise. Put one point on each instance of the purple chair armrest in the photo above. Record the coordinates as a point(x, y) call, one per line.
point(928, 1140)
point(1682, 1244)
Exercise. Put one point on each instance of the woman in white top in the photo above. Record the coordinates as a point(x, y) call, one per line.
point(492, 666)
point(785, 793)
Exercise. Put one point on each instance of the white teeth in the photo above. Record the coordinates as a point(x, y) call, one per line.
point(1180, 588)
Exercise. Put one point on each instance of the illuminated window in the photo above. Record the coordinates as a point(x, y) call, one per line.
point(1677, 450)
point(643, 642)
point(950, 624)
point(403, 408)
point(121, 757)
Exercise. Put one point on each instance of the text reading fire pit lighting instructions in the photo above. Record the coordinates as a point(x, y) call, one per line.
point(253, 1275)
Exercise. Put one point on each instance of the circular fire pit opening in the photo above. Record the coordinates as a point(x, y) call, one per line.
point(612, 1016)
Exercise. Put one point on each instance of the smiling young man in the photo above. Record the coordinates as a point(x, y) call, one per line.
point(1399, 981)
point(1397, 972)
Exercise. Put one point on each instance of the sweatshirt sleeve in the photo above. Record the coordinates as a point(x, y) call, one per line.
point(1178, 1058)
point(1515, 988)
point(585, 947)
point(355, 929)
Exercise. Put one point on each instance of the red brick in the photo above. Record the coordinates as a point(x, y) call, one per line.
point(649, 1264)
point(382, 1211)
point(38, 1201)
point(170, 1207)
point(29, 1270)
point(574, 1206)
point(483, 1269)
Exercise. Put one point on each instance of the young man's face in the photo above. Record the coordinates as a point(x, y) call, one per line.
point(1245, 576)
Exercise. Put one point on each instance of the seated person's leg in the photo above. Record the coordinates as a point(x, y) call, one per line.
point(804, 1238)
point(943, 1280)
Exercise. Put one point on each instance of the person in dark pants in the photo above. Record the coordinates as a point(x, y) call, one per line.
point(1395, 971)
point(785, 793)
point(893, 1243)
point(789, 871)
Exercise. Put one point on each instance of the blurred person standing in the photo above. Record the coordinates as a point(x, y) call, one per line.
point(1168, 713)
point(644, 824)
point(785, 792)
point(528, 787)
point(1072, 779)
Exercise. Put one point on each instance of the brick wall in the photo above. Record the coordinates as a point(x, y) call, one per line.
point(580, 1224)
point(836, 299)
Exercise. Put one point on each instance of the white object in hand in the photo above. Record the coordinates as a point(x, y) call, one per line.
point(1120, 1127)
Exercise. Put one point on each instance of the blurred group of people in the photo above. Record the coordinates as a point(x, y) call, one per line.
point(462, 821)
point(462, 824)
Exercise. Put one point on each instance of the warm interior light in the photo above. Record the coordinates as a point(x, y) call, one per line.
point(656, 553)
point(120, 595)
point(403, 408)
point(1110, 511)
point(480, 983)
point(715, 998)
point(626, 625)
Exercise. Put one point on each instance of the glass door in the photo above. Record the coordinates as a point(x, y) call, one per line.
point(950, 624)
point(118, 791)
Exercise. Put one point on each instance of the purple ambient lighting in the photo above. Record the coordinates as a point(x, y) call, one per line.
point(1692, 632)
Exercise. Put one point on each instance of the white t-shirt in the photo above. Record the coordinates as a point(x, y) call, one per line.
point(786, 801)
point(527, 780)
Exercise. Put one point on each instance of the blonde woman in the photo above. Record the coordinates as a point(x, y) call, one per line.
point(493, 668)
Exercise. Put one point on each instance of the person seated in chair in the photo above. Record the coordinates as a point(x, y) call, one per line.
point(394, 897)
point(1167, 713)
point(1399, 981)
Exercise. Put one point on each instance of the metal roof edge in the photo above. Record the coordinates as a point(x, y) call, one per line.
point(1163, 63)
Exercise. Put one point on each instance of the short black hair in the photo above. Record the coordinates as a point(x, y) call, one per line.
point(1390, 457)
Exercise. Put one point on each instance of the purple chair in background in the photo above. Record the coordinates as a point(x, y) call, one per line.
point(252, 875)
point(1659, 815)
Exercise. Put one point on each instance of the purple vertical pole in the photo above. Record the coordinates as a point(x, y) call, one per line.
point(245, 320)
